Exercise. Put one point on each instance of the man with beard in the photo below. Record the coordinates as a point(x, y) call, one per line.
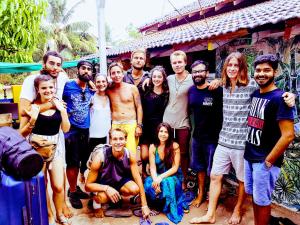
point(126, 106)
point(136, 75)
point(78, 96)
point(52, 64)
point(206, 108)
point(270, 131)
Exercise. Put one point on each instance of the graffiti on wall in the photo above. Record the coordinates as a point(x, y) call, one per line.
point(287, 190)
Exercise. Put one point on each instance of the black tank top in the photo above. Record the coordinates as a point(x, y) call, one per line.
point(47, 125)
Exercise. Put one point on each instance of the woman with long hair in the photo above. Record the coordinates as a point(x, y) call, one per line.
point(165, 182)
point(47, 124)
point(154, 101)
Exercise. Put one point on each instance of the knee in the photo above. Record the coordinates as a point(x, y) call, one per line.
point(216, 178)
point(57, 189)
point(100, 198)
point(134, 190)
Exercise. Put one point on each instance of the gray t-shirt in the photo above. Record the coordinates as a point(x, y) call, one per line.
point(176, 112)
point(236, 107)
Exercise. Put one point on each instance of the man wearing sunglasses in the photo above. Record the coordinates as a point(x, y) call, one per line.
point(77, 96)
point(205, 107)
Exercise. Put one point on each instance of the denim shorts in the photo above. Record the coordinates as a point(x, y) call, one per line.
point(202, 156)
point(260, 181)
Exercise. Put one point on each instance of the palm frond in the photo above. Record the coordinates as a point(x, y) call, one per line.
point(81, 26)
point(70, 12)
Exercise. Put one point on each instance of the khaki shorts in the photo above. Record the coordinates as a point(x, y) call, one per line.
point(225, 158)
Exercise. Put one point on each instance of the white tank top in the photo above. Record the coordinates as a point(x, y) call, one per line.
point(100, 118)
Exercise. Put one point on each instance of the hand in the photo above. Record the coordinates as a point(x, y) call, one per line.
point(138, 131)
point(33, 112)
point(214, 84)
point(156, 183)
point(145, 83)
point(113, 194)
point(60, 105)
point(146, 212)
point(289, 99)
point(92, 86)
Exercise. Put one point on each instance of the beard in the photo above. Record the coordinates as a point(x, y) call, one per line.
point(270, 81)
point(84, 77)
point(199, 82)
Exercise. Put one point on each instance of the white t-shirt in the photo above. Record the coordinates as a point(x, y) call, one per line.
point(100, 118)
point(28, 92)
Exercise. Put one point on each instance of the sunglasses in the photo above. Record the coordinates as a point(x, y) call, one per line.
point(198, 71)
point(86, 68)
point(83, 98)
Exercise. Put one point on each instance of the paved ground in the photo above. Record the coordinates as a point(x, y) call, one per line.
point(85, 216)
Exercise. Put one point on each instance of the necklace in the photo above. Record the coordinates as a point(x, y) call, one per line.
point(178, 84)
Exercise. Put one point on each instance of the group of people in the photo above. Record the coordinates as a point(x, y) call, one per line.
point(98, 123)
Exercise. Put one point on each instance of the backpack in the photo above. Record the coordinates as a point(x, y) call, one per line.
point(17, 157)
point(99, 148)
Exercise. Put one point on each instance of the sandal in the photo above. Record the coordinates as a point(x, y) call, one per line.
point(62, 220)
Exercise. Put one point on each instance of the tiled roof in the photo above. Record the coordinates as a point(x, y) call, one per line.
point(250, 17)
point(195, 6)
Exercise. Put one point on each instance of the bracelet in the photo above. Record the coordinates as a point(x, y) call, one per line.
point(144, 207)
point(106, 188)
point(31, 126)
point(140, 125)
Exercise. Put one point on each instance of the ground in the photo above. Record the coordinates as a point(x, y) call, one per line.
point(85, 216)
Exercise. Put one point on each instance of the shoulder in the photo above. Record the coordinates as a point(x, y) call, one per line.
point(175, 146)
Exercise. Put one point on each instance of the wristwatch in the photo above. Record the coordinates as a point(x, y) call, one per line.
point(140, 125)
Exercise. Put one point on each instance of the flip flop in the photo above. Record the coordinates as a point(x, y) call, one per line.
point(139, 213)
point(118, 213)
point(145, 221)
point(162, 223)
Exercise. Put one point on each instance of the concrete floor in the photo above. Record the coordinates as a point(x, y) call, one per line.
point(85, 216)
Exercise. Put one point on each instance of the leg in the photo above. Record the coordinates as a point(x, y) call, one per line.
point(72, 174)
point(130, 188)
point(214, 193)
point(100, 198)
point(66, 210)
point(201, 186)
point(50, 212)
point(145, 159)
point(57, 182)
point(237, 212)
point(262, 215)
point(183, 139)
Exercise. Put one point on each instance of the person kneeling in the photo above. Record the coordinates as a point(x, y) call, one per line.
point(114, 174)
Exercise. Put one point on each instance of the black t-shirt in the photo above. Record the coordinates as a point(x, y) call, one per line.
point(266, 110)
point(206, 109)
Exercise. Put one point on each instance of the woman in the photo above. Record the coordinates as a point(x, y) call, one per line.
point(47, 125)
point(100, 116)
point(166, 178)
point(154, 102)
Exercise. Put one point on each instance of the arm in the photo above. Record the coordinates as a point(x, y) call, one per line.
point(152, 162)
point(138, 180)
point(214, 84)
point(139, 111)
point(287, 136)
point(65, 123)
point(27, 123)
point(25, 104)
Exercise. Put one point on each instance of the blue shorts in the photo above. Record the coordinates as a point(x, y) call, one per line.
point(260, 182)
point(202, 155)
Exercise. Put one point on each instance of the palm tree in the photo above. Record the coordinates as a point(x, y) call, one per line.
point(63, 36)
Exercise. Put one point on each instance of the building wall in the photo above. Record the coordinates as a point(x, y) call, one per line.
point(287, 190)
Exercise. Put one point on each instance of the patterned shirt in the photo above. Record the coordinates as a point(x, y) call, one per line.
point(236, 108)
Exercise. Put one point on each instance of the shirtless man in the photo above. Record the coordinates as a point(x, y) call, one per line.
point(126, 106)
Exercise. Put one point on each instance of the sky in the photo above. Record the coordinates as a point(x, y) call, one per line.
point(120, 13)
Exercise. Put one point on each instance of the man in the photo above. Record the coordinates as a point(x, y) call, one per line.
point(176, 112)
point(114, 174)
point(78, 96)
point(126, 106)
point(52, 63)
point(136, 75)
point(206, 109)
point(270, 131)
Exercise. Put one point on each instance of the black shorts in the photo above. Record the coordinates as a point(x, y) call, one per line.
point(77, 150)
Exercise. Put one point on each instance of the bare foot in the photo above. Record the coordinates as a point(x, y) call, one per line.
point(66, 211)
point(203, 219)
point(196, 202)
point(99, 213)
point(236, 217)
